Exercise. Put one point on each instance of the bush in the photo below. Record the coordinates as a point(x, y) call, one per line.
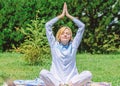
point(101, 19)
point(35, 47)
point(14, 14)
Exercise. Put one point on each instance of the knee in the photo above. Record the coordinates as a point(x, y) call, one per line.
point(88, 73)
point(43, 72)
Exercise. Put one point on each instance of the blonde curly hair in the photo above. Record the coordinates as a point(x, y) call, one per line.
point(61, 30)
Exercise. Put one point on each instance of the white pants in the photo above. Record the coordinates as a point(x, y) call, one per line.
point(78, 80)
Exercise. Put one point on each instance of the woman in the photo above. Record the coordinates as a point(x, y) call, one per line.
point(63, 49)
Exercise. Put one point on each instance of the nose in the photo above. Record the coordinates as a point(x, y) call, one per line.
point(65, 35)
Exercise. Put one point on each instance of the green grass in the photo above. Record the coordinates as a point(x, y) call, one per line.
point(103, 67)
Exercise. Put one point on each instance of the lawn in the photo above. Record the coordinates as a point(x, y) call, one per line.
point(103, 67)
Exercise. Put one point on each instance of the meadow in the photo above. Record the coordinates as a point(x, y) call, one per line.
point(104, 67)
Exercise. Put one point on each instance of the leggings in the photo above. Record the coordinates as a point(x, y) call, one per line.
point(77, 80)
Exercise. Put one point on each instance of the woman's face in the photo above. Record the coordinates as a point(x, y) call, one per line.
point(65, 36)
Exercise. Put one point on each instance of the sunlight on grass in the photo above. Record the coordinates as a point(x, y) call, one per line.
point(103, 67)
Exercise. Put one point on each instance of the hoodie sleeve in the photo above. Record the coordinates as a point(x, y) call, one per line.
point(49, 32)
point(79, 34)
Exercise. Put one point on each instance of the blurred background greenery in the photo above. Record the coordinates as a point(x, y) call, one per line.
point(22, 33)
point(101, 17)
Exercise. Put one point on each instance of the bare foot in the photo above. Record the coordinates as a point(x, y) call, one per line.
point(9, 83)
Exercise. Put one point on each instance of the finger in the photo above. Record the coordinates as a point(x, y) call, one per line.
point(64, 6)
point(64, 3)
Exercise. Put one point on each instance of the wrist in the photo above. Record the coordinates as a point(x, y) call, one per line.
point(69, 16)
point(60, 16)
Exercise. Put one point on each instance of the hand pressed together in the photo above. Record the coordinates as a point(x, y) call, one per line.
point(65, 12)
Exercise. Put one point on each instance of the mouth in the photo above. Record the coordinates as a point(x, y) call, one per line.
point(65, 38)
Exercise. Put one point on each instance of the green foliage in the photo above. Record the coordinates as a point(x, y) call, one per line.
point(101, 31)
point(14, 14)
point(35, 46)
point(100, 36)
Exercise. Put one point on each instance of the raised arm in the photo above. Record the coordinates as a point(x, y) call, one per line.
point(79, 34)
point(49, 32)
point(49, 24)
point(78, 37)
